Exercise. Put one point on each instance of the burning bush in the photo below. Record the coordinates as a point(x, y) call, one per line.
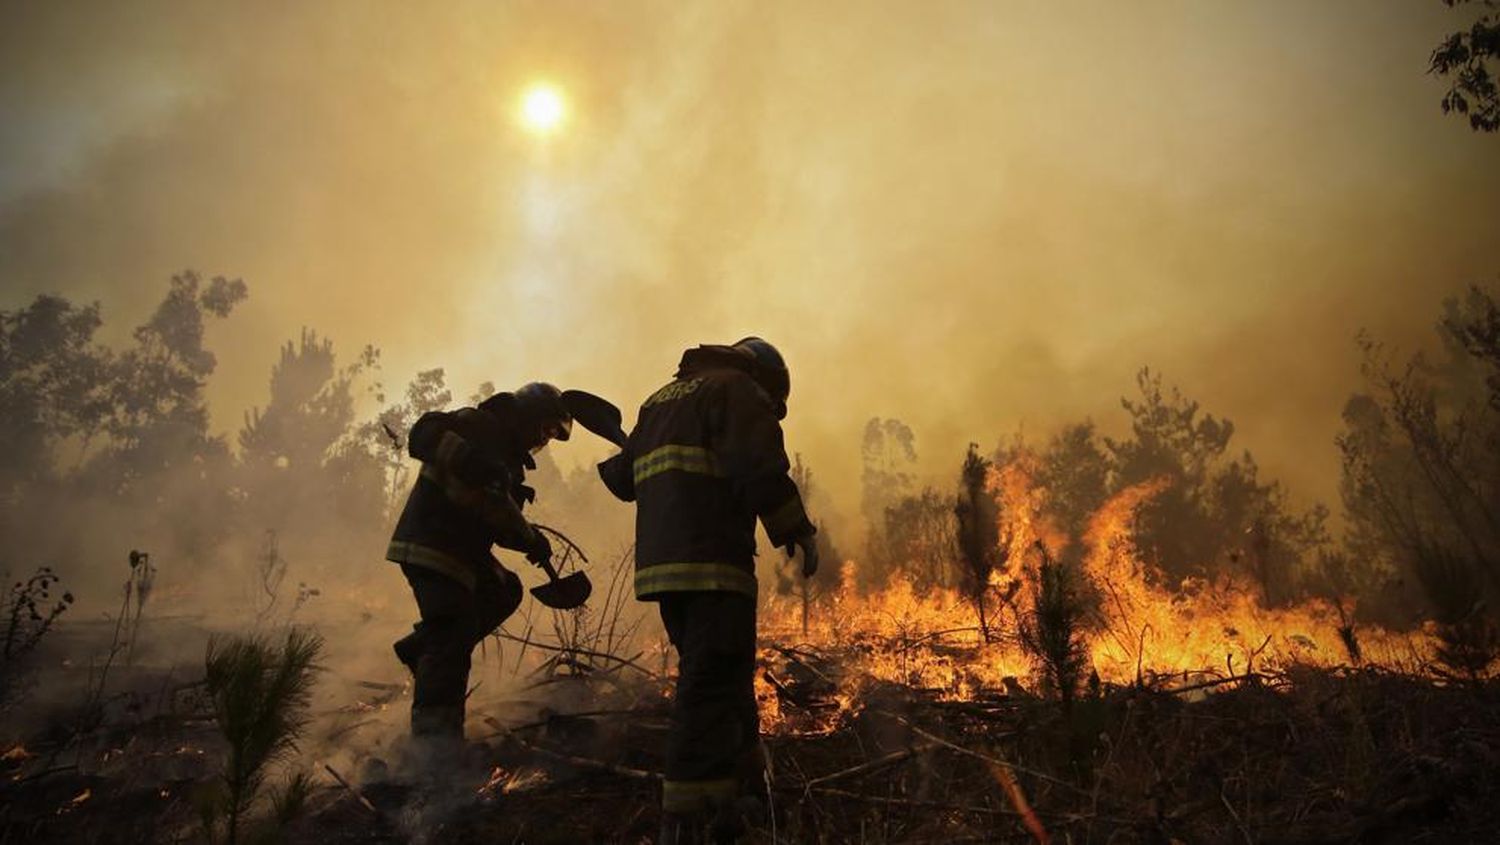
point(981, 550)
point(1053, 629)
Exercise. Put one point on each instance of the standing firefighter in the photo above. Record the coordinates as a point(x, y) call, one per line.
point(469, 496)
point(704, 462)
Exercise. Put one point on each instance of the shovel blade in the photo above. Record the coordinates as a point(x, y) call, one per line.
point(565, 593)
point(596, 414)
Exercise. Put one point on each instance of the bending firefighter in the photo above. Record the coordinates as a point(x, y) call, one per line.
point(704, 463)
point(468, 496)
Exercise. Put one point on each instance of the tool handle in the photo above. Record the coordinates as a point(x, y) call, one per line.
point(547, 567)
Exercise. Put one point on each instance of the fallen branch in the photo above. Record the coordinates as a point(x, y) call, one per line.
point(358, 796)
point(951, 746)
point(1217, 682)
point(583, 651)
point(863, 768)
point(931, 635)
point(579, 762)
point(796, 657)
point(556, 717)
point(1238, 822)
point(787, 693)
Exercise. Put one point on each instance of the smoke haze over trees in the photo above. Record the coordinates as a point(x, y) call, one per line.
point(928, 234)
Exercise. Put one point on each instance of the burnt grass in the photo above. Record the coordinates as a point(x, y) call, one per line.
point(1305, 756)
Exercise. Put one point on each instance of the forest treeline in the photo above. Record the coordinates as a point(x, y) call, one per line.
point(110, 449)
point(1420, 497)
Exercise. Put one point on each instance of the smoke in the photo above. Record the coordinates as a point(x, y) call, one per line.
point(970, 216)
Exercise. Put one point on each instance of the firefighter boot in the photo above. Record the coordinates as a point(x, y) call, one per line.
point(437, 733)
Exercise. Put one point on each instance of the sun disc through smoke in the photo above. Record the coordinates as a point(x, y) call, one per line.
point(543, 109)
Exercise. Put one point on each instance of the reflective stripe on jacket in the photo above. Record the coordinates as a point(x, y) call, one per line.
point(449, 525)
point(705, 461)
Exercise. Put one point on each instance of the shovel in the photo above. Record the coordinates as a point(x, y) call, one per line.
point(563, 593)
point(595, 414)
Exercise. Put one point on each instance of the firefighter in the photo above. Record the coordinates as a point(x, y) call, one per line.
point(467, 497)
point(704, 463)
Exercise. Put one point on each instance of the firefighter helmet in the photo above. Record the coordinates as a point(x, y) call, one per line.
point(769, 370)
point(542, 408)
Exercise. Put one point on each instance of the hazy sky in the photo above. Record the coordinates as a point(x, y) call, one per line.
point(973, 216)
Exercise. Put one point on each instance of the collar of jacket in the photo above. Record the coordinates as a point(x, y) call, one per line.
point(712, 357)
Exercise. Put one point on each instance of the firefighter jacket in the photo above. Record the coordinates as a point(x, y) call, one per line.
point(468, 495)
point(704, 462)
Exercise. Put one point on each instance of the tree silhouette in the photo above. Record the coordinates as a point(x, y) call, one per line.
point(1421, 476)
point(1464, 58)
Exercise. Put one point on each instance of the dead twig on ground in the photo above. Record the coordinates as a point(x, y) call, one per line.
point(1238, 822)
point(580, 762)
point(581, 651)
point(865, 768)
point(1217, 682)
point(968, 752)
point(358, 796)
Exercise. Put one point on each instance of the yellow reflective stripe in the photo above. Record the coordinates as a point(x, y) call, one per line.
point(786, 517)
point(403, 551)
point(657, 578)
point(690, 796)
point(694, 459)
point(457, 492)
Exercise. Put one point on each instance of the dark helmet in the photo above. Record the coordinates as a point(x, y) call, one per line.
point(540, 405)
point(769, 370)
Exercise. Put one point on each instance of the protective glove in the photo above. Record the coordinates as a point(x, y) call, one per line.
point(539, 549)
point(808, 545)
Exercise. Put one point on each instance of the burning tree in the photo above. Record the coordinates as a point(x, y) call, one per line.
point(1214, 515)
point(1052, 630)
point(981, 549)
point(921, 533)
point(889, 456)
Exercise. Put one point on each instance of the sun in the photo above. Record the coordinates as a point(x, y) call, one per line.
point(543, 109)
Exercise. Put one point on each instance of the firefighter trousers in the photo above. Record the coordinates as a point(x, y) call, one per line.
point(715, 729)
point(438, 651)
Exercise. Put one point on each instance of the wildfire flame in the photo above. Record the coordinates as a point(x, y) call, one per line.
point(930, 639)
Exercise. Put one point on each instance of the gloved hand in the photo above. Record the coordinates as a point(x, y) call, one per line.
point(540, 548)
point(808, 545)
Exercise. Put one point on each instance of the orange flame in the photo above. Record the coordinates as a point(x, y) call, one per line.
point(930, 639)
